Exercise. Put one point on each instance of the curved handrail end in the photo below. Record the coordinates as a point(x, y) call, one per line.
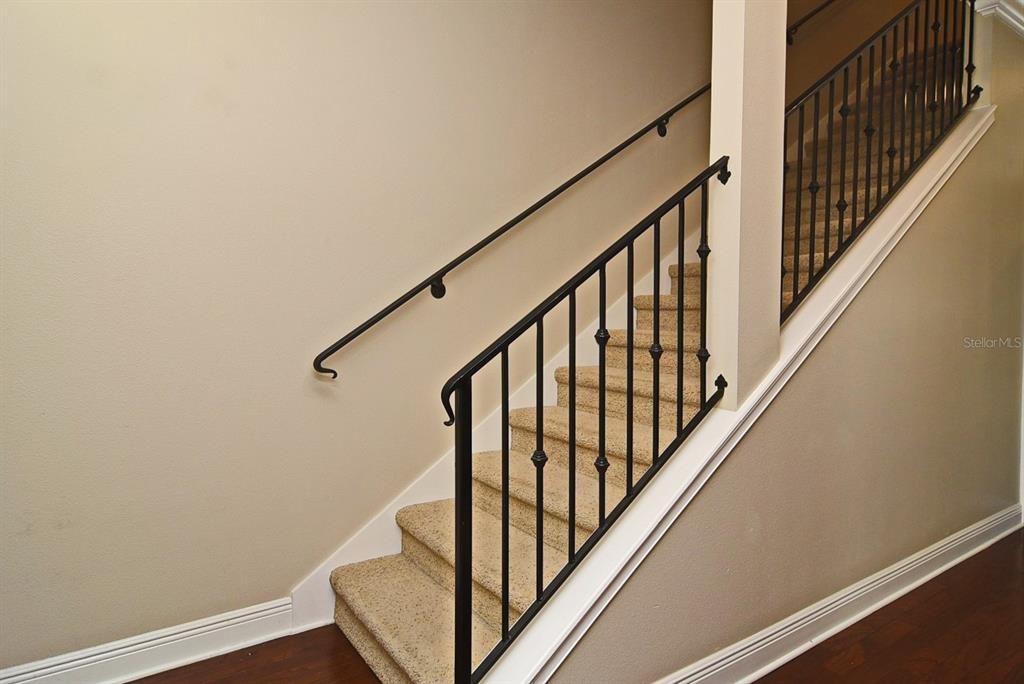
point(324, 370)
point(446, 395)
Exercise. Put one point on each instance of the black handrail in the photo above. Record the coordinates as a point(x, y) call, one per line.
point(546, 446)
point(720, 168)
point(795, 26)
point(435, 281)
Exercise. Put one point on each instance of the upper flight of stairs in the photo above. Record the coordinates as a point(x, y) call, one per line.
point(398, 610)
point(823, 219)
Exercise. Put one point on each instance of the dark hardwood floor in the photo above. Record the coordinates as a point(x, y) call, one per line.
point(966, 625)
point(319, 656)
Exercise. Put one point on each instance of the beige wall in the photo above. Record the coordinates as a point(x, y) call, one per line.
point(197, 197)
point(890, 437)
point(830, 36)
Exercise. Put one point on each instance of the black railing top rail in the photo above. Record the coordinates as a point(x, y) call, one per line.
point(720, 167)
point(435, 281)
point(795, 26)
point(845, 61)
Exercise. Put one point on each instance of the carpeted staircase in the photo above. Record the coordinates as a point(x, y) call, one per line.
point(398, 610)
point(912, 129)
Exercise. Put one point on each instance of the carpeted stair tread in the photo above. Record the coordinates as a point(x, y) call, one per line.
point(643, 381)
point(410, 616)
point(556, 426)
point(433, 525)
point(523, 487)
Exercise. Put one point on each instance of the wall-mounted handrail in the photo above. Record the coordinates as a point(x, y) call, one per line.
point(435, 281)
point(795, 26)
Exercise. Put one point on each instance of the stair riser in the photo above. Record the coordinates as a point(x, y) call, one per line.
point(557, 451)
point(790, 219)
point(645, 321)
point(819, 243)
point(616, 357)
point(805, 200)
point(852, 145)
point(910, 154)
point(691, 286)
point(369, 649)
point(523, 515)
point(819, 233)
point(587, 399)
point(486, 604)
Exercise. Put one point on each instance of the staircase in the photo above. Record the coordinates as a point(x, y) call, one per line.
point(863, 129)
point(398, 611)
point(475, 569)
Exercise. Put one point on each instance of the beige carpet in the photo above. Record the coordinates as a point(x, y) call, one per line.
point(398, 610)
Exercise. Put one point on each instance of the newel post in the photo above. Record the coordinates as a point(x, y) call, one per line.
point(748, 76)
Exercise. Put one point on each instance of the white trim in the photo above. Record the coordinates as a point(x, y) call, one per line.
point(313, 598)
point(552, 634)
point(1010, 11)
point(164, 649)
point(757, 655)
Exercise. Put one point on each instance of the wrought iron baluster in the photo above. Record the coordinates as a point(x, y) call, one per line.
point(925, 87)
point(463, 568)
point(629, 367)
point(869, 131)
point(656, 345)
point(960, 44)
point(933, 106)
point(970, 58)
point(572, 425)
point(799, 208)
point(856, 149)
point(601, 463)
point(881, 125)
point(504, 492)
point(903, 99)
point(894, 66)
point(918, 85)
point(680, 297)
point(785, 188)
point(703, 251)
point(540, 458)
point(828, 171)
point(842, 204)
point(945, 66)
point(813, 188)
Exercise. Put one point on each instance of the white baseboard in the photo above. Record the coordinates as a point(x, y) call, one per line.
point(165, 649)
point(756, 656)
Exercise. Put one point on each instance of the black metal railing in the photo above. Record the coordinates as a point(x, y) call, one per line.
point(795, 26)
point(668, 404)
point(906, 86)
point(435, 281)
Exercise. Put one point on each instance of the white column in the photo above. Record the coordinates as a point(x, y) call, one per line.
point(748, 79)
